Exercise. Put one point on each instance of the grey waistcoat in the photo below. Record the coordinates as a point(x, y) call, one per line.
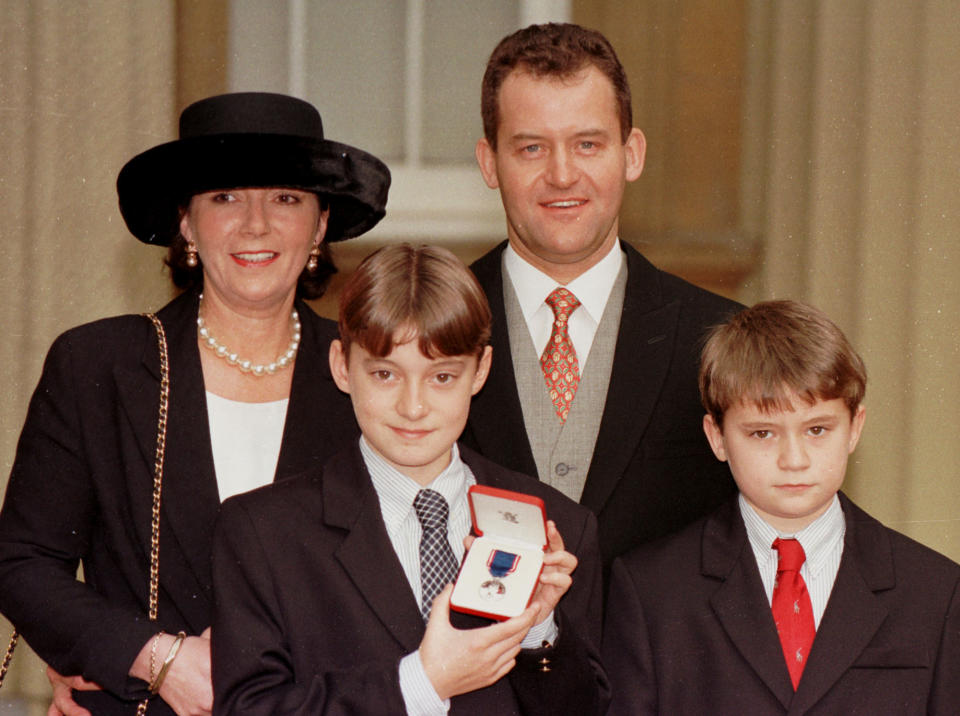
point(563, 451)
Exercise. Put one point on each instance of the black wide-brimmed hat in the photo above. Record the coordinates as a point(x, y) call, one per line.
point(251, 139)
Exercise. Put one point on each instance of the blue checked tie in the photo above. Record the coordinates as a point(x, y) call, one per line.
point(438, 566)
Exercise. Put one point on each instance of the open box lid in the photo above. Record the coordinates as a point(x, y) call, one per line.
point(508, 515)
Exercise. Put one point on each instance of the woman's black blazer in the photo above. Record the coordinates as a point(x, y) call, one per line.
point(81, 485)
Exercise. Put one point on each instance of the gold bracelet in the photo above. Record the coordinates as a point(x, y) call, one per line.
point(171, 655)
point(153, 655)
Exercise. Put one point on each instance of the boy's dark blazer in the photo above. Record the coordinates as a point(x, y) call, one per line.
point(313, 611)
point(689, 630)
point(652, 470)
point(81, 487)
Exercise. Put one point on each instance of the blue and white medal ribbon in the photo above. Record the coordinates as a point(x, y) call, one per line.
point(500, 563)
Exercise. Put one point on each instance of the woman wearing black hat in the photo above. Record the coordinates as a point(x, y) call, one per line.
point(246, 198)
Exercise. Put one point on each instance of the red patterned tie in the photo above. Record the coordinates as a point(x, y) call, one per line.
point(791, 607)
point(561, 370)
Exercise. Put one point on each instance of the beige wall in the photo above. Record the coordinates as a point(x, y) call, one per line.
point(844, 115)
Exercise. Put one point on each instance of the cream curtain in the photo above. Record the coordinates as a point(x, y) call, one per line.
point(851, 176)
point(83, 87)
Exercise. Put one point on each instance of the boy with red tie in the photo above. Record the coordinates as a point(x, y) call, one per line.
point(332, 588)
point(789, 599)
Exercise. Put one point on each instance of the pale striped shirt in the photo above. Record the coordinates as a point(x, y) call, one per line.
point(822, 542)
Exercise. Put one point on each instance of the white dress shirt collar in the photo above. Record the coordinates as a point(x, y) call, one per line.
point(592, 287)
point(818, 539)
point(396, 491)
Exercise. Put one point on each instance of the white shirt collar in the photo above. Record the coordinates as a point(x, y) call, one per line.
point(592, 287)
point(396, 491)
point(817, 539)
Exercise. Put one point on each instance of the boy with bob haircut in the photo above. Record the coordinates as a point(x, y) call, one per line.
point(789, 599)
point(329, 587)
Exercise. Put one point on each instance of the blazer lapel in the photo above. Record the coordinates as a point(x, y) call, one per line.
point(739, 602)
point(189, 499)
point(853, 614)
point(310, 411)
point(138, 394)
point(496, 417)
point(366, 554)
point(640, 365)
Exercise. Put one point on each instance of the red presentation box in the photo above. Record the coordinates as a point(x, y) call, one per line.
point(500, 572)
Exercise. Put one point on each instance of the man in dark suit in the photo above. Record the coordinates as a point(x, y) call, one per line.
point(718, 619)
point(622, 435)
point(329, 592)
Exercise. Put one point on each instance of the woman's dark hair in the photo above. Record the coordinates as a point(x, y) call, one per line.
point(310, 285)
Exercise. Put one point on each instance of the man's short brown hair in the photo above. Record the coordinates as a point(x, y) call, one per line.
point(559, 50)
point(403, 291)
point(773, 350)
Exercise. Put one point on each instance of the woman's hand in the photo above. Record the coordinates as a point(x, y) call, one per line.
point(63, 687)
point(187, 687)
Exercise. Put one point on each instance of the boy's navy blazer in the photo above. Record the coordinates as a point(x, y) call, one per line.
point(313, 611)
point(81, 489)
point(652, 470)
point(689, 629)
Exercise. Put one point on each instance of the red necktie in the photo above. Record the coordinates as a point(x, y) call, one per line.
point(791, 607)
point(561, 369)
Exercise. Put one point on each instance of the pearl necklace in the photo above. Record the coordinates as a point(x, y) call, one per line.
point(257, 370)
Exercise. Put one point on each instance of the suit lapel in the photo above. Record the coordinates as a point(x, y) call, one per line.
point(309, 410)
point(496, 417)
point(640, 365)
point(739, 603)
point(366, 553)
point(189, 500)
point(853, 614)
point(138, 397)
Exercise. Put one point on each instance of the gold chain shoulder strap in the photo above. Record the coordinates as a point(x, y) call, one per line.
point(157, 478)
point(8, 656)
point(157, 485)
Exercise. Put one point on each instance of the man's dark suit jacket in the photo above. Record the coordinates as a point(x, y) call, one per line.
point(652, 470)
point(81, 487)
point(689, 629)
point(313, 610)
